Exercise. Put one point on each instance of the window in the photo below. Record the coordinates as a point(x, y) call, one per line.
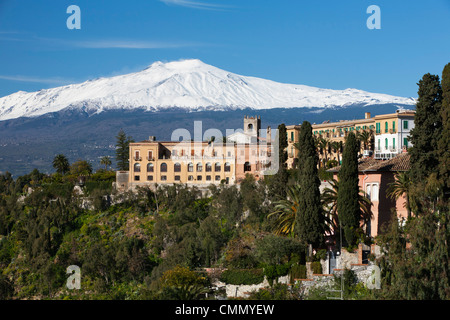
point(393, 143)
point(217, 178)
point(405, 124)
point(217, 167)
point(227, 167)
point(190, 167)
point(150, 156)
point(229, 153)
point(393, 126)
point(150, 167)
point(137, 178)
point(247, 167)
point(378, 130)
point(379, 144)
point(405, 142)
point(191, 178)
point(149, 178)
point(137, 167)
point(163, 178)
point(163, 167)
point(208, 167)
point(292, 136)
point(176, 167)
point(199, 167)
point(199, 178)
point(137, 155)
point(372, 191)
point(386, 126)
point(177, 178)
point(208, 178)
point(386, 143)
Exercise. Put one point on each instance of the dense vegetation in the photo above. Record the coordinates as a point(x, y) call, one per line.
point(156, 244)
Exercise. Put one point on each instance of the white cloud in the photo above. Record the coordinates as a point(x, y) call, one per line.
point(51, 80)
point(195, 4)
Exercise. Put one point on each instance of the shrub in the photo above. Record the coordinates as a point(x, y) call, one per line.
point(316, 267)
point(297, 271)
point(242, 276)
point(272, 272)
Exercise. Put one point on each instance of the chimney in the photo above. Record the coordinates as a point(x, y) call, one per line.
point(367, 115)
point(152, 138)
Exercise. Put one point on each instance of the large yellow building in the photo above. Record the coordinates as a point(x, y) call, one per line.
point(389, 136)
point(198, 163)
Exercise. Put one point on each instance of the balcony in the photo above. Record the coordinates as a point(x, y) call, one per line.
point(137, 158)
point(150, 159)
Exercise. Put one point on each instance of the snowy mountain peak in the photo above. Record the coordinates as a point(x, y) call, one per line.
point(189, 84)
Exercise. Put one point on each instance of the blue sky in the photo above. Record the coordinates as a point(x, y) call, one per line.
point(319, 43)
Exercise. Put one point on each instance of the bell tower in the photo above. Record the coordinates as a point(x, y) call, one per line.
point(252, 125)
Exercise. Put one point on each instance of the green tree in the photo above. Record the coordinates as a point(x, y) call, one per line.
point(444, 142)
point(286, 211)
point(81, 167)
point(106, 161)
point(427, 129)
point(61, 164)
point(277, 183)
point(329, 202)
point(310, 222)
point(122, 151)
point(347, 200)
point(401, 187)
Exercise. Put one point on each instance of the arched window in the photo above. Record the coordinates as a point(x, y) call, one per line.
point(217, 167)
point(150, 167)
point(227, 167)
point(177, 167)
point(386, 143)
point(386, 126)
point(137, 167)
point(190, 167)
point(247, 166)
point(208, 167)
point(250, 127)
point(163, 167)
point(199, 167)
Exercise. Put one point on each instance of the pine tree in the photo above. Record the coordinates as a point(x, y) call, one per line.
point(347, 201)
point(443, 144)
point(122, 151)
point(427, 129)
point(310, 224)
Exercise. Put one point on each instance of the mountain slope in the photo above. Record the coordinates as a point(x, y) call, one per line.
point(187, 84)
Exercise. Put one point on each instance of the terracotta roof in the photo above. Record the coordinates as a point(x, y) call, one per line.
point(398, 163)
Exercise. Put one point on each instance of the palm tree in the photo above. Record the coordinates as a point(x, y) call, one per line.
point(61, 164)
point(401, 186)
point(106, 161)
point(329, 203)
point(337, 146)
point(322, 144)
point(286, 211)
point(365, 137)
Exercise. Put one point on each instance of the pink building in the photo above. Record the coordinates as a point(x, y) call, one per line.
point(375, 175)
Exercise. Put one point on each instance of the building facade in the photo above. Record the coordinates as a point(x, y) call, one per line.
point(387, 136)
point(198, 163)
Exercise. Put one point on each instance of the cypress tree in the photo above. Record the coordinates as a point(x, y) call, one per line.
point(277, 186)
point(347, 197)
point(310, 222)
point(443, 144)
point(427, 129)
point(122, 150)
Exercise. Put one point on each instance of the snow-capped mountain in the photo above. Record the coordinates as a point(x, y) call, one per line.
point(187, 84)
